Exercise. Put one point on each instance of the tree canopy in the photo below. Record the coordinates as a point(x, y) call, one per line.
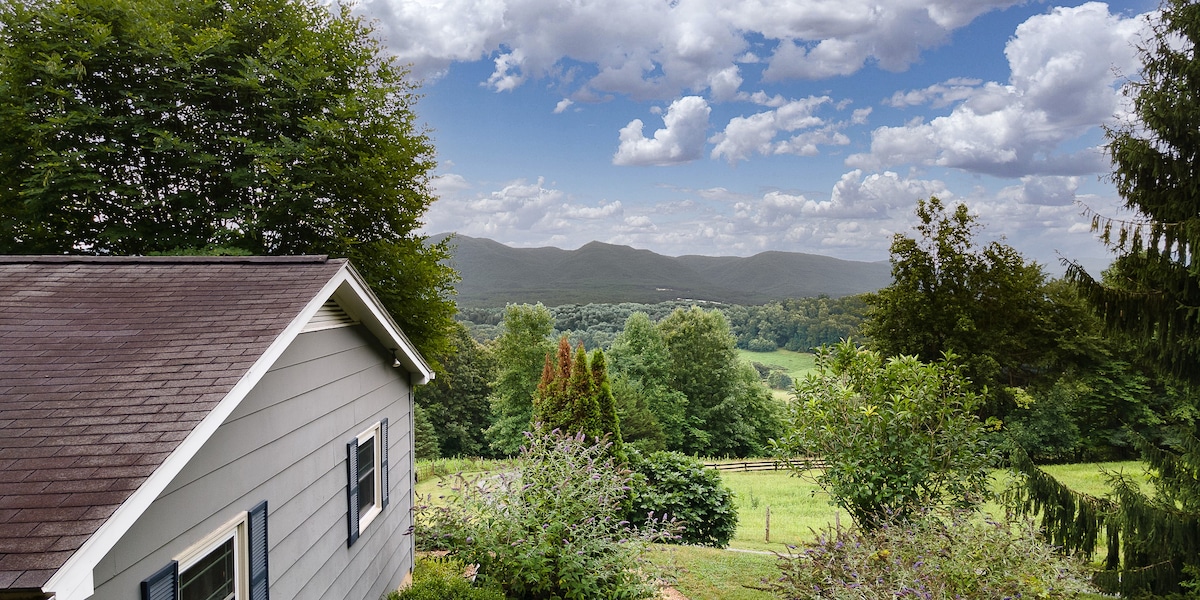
point(265, 126)
point(520, 353)
point(949, 294)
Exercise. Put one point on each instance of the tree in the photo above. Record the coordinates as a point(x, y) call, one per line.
point(727, 405)
point(985, 304)
point(610, 422)
point(269, 126)
point(520, 352)
point(1152, 295)
point(652, 414)
point(574, 396)
point(425, 438)
point(896, 436)
point(457, 401)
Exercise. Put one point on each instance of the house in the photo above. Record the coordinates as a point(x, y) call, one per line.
point(195, 427)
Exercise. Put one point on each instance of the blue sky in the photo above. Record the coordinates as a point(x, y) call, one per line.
point(731, 128)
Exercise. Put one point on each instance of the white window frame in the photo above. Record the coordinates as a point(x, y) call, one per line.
point(236, 529)
point(375, 432)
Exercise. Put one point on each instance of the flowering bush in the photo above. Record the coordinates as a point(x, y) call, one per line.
point(930, 559)
point(551, 528)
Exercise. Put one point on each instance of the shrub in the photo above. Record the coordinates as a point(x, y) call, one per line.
point(779, 380)
point(682, 488)
point(550, 528)
point(897, 436)
point(931, 559)
point(761, 345)
point(443, 579)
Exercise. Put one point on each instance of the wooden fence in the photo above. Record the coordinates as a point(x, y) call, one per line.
point(758, 465)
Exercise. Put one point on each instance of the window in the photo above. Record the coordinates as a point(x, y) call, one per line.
point(367, 489)
point(213, 574)
point(228, 564)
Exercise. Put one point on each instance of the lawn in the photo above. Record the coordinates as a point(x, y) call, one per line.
point(701, 573)
point(798, 508)
point(796, 504)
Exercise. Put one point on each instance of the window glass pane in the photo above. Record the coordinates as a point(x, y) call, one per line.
point(210, 578)
point(366, 475)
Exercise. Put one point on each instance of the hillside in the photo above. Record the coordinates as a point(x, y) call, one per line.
point(494, 274)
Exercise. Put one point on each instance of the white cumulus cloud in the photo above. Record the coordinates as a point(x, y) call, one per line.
point(1063, 84)
point(681, 139)
point(660, 50)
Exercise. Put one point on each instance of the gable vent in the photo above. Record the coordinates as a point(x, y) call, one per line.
point(330, 315)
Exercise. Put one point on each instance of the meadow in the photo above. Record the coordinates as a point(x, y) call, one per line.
point(798, 508)
point(796, 364)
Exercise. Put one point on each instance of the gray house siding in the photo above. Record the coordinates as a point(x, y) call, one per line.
point(286, 444)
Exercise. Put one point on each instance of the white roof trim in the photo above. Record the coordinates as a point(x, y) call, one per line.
point(74, 580)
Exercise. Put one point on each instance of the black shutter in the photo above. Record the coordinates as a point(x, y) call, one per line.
point(352, 490)
point(383, 462)
point(163, 585)
point(256, 524)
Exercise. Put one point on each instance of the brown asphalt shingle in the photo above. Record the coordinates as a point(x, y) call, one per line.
point(106, 364)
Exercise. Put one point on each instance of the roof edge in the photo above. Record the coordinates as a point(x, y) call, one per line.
point(88, 258)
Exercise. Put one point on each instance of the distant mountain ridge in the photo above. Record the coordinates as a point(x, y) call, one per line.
point(494, 275)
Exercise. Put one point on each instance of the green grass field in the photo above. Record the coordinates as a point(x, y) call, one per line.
point(701, 573)
point(796, 364)
point(798, 509)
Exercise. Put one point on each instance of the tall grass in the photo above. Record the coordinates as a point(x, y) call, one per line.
point(428, 470)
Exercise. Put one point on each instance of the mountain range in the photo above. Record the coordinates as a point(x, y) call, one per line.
point(494, 275)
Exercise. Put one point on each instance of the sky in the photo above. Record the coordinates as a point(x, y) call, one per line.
point(727, 128)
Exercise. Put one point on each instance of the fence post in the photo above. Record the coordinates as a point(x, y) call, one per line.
point(768, 536)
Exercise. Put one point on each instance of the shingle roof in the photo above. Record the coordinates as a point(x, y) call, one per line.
point(106, 365)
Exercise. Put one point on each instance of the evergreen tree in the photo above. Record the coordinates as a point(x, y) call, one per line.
point(1155, 293)
point(610, 423)
point(1152, 296)
point(573, 395)
point(551, 401)
point(425, 439)
point(584, 411)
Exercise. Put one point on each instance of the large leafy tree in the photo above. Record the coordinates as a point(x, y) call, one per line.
point(653, 415)
point(728, 411)
point(949, 294)
point(267, 126)
point(520, 354)
point(456, 403)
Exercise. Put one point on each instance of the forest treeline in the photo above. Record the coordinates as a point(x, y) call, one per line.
point(799, 324)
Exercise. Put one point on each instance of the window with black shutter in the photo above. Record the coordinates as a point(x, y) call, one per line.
point(228, 564)
point(367, 471)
